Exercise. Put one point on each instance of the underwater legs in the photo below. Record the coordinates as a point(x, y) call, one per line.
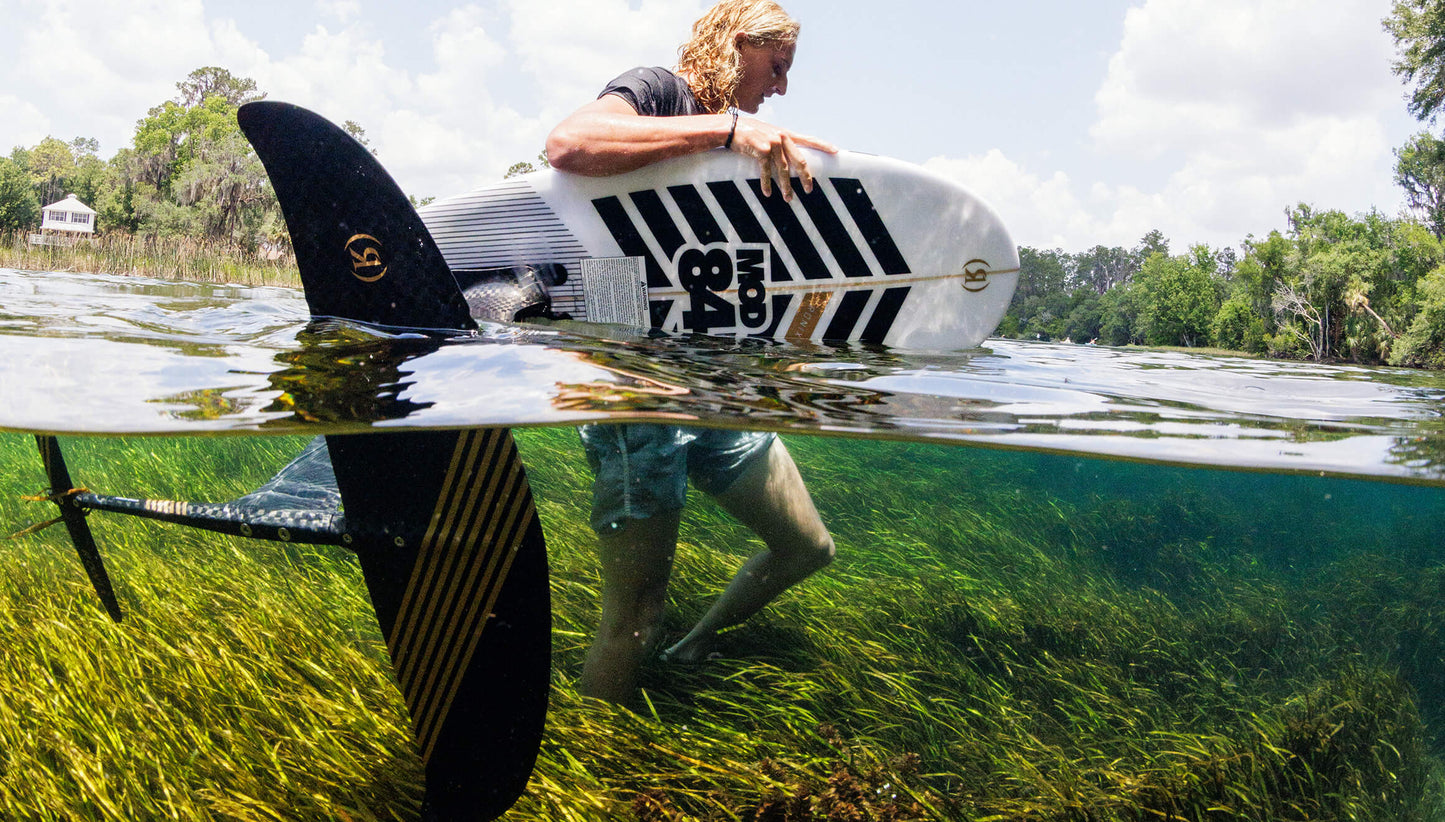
point(771, 499)
point(636, 564)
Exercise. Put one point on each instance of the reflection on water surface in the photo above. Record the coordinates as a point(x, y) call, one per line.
point(163, 357)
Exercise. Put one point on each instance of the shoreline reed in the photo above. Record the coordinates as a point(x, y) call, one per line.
point(170, 258)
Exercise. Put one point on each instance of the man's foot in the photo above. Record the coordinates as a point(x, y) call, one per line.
point(691, 651)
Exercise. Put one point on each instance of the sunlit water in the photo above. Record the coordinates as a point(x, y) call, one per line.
point(1205, 478)
point(125, 355)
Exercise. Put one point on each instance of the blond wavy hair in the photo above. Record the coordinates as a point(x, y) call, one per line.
point(710, 60)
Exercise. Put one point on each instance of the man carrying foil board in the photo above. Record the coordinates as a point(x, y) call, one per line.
point(739, 55)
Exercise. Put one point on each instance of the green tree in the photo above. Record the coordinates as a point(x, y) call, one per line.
point(173, 134)
point(1085, 320)
point(157, 142)
point(1119, 309)
point(118, 202)
point(527, 167)
point(212, 81)
point(1041, 272)
point(19, 209)
point(226, 186)
point(1102, 268)
point(1225, 261)
point(51, 165)
point(1418, 28)
point(89, 180)
point(1152, 243)
point(1420, 171)
point(1334, 255)
point(1266, 264)
point(1238, 327)
point(1299, 322)
point(56, 168)
point(1394, 290)
point(1041, 302)
point(1424, 343)
point(191, 171)
point(1177, 298)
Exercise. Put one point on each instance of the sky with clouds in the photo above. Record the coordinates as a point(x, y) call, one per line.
point(1082, 123)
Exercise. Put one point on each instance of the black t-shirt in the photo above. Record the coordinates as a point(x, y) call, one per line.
point(654, 92)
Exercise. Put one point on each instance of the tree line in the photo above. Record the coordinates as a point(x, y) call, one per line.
point(188, 172)
point(1366, 289)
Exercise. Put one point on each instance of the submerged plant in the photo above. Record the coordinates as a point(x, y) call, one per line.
point(980, 650)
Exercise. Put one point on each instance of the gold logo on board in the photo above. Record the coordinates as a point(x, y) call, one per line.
point(975, 275)
point(367, 264)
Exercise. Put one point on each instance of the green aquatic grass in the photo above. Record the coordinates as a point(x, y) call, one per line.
point(247, 681)
point(1003, 636)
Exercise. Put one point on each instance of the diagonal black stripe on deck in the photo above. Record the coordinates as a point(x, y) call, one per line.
point(794, 235)
point(846, 317)
point(745, 223)
point(835, 236)
point(749, 230)
point(860, 205)
point(884, 314)
point(695, 211)
point(628, 238)
point(659, 222)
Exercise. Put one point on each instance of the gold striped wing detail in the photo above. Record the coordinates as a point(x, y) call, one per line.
point(476, 529)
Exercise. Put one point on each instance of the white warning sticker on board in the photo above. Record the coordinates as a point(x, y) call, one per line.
point(615, 290)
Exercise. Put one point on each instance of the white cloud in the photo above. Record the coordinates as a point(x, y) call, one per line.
point(428, 128)
point(343, 74)
point(466, 54)
point(1239, 108)
point(500, 74)
point(465, 124)
point(25, 124)
point(1209, 198)
point(1190, 71)
point(104, 65)
point(439, 132)
point(1257, 104)
point(342, 11)
point(572, 47)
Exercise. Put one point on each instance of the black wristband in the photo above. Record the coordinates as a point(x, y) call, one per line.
point(733, 110)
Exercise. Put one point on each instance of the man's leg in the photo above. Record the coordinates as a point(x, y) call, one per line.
point(636, 563)
point(771, 499)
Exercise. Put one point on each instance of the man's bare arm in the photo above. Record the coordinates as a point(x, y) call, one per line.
point(607, 136)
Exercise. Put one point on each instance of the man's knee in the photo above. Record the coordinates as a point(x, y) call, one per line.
point(825, 552)
point(817, 554)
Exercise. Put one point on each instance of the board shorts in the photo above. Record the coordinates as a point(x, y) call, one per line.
point(641, 469)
